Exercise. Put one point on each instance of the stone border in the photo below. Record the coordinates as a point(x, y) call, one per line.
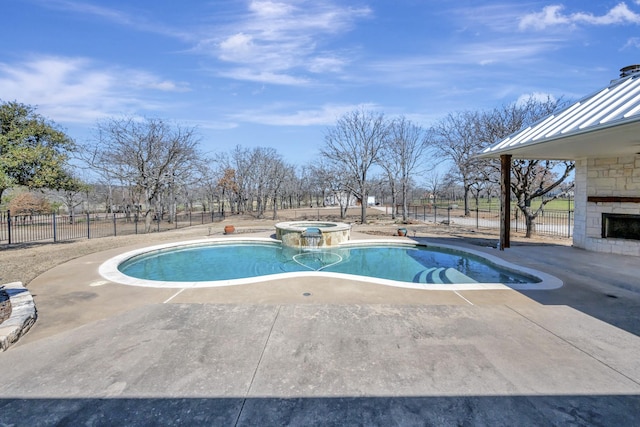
point(293, 233)
point(5, 305)
point(23, 315)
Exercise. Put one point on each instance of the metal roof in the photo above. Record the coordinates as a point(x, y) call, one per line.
point(603, 124)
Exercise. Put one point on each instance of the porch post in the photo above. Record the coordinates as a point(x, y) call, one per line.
point(505, 202)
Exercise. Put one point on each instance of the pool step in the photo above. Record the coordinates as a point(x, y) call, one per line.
point(441, 275)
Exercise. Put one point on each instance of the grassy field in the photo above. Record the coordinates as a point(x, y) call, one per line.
point(484, 204)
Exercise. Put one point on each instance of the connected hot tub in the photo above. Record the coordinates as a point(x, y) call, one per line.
point(312, 234)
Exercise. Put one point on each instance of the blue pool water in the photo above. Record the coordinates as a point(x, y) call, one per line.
point(416, 264)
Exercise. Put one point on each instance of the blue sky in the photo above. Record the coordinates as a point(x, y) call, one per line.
point(278, 73)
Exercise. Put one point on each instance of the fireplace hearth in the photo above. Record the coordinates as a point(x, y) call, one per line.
point(621, 226)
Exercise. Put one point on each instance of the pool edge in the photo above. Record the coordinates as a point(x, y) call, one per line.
point(109, 269)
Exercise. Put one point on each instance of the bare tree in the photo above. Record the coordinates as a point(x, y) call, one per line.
point(252, 177)
point(205, 191)
point(531, 179)
point(291, 188)
point(227, 185)
point(403, 156)
point(270, 172)
point(537, 179)
point(238, 167)
point(332, 182)
point(72, 195)
point(456, 140)
point(279, 173)
point(393, 171)
point(355, 143)
point(228, 188)
point(149, 154)
point(433, 184)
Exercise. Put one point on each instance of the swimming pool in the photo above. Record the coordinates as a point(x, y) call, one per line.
point(238, 261)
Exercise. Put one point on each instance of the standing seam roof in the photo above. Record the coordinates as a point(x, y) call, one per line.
point(618, 102)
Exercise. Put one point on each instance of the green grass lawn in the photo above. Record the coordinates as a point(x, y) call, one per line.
point(484, 204)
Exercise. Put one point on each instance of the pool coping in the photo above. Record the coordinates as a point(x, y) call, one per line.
point(109, 269)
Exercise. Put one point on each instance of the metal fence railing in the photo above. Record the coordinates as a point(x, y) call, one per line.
point(549, 222)
point(28, 228)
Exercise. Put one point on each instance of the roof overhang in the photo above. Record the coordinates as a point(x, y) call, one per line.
point(603, 124)
point(612, 140)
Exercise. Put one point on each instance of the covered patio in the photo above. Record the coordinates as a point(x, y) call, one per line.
point(601, 133)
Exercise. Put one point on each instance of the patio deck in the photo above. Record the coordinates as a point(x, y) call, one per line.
point(350, 353)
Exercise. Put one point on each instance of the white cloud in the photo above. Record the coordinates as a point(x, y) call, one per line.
point(76, 90)
point(324, 116)
point(549, 16)
point(620, 14)
point(553, 15)
point(277, 39)
point(326, 64)
point(88, 9)
point(249, 74)
point(270, 37)
point(149, 81)
point(453, 67)
point(535, 96)
point(633, 42)
point(134, 20)
point(237, 48)
point(269, 8)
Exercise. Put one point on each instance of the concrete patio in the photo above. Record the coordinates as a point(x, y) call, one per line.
point(332, 352)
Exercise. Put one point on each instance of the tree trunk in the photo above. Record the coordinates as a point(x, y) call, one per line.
point(363, 209)
point(531, 225)
point(394, 203)
point(344, 205)
point(147, 221)
point(405, 203)
point(275, 207)
point(467, 211)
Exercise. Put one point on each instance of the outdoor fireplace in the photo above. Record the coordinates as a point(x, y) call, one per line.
point(621, 226)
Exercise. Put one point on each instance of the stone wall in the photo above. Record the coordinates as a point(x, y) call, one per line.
point(605, 177)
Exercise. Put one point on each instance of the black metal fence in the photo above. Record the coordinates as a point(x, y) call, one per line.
point(549, 222)
point(26, 228)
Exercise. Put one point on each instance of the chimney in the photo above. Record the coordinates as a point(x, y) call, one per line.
point(629, 70)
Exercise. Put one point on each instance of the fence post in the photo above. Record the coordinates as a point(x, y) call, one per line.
point(449, 216)
point(477, 217)
point(135, 222)
point(516, 209)
point(569, 223)
point(114, 225)
point(435, 213)
point(55, 229)
point(88, 226)
point(9, 225)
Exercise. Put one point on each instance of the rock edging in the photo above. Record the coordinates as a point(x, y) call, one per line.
point(23, 315)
